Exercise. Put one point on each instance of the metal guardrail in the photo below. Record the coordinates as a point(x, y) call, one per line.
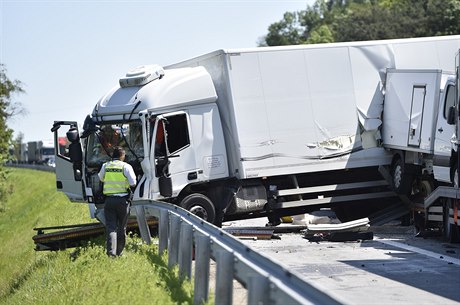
point(182, 234)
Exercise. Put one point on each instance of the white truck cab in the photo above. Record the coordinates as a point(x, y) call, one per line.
point(171, 131)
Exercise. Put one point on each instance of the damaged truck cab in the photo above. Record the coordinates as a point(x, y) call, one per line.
point(151, 120)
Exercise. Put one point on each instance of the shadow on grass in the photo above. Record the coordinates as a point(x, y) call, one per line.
point(179, 290)
point(179, 293)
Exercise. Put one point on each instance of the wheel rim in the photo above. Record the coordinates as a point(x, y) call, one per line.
point(199, 211)
point(397, 176)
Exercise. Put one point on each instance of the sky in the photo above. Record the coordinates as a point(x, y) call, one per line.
point(69, 53)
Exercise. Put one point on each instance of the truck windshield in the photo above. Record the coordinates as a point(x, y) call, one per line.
point(100, 144)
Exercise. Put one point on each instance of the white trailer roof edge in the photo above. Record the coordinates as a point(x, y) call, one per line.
point(316, 46)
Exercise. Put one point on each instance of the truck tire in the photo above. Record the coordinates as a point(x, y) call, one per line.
point(401, 179)
point(200, 205)
point(451, 231)
point(425, 188)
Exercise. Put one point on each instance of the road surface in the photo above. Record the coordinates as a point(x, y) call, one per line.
point(394, 268)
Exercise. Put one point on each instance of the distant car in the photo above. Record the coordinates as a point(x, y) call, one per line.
point(51, 162)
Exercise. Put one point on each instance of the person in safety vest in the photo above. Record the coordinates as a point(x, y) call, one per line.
point(118, 177)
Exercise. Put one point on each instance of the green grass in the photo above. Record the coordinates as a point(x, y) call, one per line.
point(83, 275)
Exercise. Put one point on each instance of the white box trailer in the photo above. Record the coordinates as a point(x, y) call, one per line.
point(310, 108)
point(251, 131)
point(282, 115)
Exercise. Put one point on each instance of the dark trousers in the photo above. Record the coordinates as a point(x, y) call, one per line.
point(116, 210)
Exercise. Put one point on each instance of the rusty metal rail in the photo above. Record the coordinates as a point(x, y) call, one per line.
point(63, 237)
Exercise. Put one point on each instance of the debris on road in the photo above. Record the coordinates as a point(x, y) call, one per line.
point(253, 233)
point(339, 232)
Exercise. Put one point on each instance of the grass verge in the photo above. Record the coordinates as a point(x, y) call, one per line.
point(83, 275)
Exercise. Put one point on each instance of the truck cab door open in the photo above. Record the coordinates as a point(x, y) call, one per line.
point(174, 158)
point(161, 158)
point(68, 154)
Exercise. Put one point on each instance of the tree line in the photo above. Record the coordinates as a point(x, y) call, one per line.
point(8, 108)
point(357, 20)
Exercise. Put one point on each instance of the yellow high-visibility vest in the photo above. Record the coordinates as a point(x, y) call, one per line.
point(115, 181)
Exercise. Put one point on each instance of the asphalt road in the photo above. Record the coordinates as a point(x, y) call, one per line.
point(395, 267)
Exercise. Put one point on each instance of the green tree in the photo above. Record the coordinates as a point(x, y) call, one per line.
point(443, 17)
point(380, 20)
point(354, 20)
point(285, 32)
point(8, 108)
point(15, 147)
point(322, 34)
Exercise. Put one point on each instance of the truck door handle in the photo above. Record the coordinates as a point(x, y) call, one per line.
point(440, 129)
point(192, 176)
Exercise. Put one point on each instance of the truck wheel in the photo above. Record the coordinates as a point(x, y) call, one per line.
point(425, 187)
point(402, 181)
point(450, 231)
point(200, 205)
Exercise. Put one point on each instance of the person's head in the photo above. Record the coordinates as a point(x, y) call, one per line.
point(118, 153)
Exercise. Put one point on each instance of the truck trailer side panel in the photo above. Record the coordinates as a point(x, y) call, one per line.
point(288, 110)
point(287, 114)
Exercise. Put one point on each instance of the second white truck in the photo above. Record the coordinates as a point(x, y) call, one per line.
point(252, 132)
point(419, 129)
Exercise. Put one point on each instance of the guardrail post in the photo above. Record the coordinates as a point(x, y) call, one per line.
point(202, 256)
point(163, 232)
point(143, 225)
point(258, 290)
point(224, 278)
point(173, 246)
point(185, 254)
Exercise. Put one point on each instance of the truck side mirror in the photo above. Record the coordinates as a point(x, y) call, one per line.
point(165, 185)
point(451, 116)
point(164, 182)
point(75, 152)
